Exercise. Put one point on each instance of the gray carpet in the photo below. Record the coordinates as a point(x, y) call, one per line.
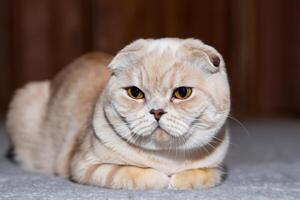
point(262, 164)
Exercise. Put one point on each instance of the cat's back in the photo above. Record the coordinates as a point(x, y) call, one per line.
point(77, 85)
point(61, 108)
point(88, 70)
point(75, 89)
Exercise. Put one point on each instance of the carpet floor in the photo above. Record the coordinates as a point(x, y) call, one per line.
point(263, 163)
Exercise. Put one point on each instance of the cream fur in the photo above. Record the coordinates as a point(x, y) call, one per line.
point(80, 125)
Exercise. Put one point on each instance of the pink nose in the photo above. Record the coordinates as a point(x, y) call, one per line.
point(157, 113)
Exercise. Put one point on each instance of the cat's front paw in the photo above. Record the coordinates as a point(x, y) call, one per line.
point(141, 179)
point(196, 178)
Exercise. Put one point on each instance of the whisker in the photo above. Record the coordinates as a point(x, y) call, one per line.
point(211, 145)
point(240, 123)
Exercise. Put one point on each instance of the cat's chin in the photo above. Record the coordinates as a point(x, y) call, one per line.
point(160, 136)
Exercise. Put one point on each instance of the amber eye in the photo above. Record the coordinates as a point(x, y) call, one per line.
point(182, 93)
point(135, 92)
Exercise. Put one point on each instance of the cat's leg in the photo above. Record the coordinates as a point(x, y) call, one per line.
point(196, 178)
point(119, 176)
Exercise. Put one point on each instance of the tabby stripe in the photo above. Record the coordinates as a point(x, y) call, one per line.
point(107, 171)
point(90, 171)
point(111, 175)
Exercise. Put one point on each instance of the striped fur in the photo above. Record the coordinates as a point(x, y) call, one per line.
point(82, 125)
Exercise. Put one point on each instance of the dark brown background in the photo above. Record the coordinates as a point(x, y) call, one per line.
point(259, 39)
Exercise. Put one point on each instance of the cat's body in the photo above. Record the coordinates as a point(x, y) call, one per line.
point(79, 125)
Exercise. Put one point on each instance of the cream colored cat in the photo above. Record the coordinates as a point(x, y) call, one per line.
point(152, 117)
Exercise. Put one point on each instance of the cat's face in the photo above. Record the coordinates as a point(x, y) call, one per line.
point(167, 94)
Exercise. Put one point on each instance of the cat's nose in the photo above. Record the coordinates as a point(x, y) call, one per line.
point(157, 113)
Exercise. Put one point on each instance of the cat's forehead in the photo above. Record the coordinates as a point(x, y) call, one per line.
point(158, 58)
point(162, 71)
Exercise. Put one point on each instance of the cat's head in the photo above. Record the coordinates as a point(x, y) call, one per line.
point(167, 93)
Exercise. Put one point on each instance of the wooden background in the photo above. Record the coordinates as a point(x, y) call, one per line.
point(259, 39)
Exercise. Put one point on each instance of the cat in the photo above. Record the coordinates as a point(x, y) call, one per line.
point(151, 117)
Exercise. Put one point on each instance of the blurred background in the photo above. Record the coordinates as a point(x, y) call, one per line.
point(259, 39)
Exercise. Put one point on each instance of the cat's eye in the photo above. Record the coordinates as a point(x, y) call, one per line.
point(182, 93)
point(135, 92)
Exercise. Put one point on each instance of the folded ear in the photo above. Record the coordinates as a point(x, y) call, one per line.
point(203, 55)
point(128, 56)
